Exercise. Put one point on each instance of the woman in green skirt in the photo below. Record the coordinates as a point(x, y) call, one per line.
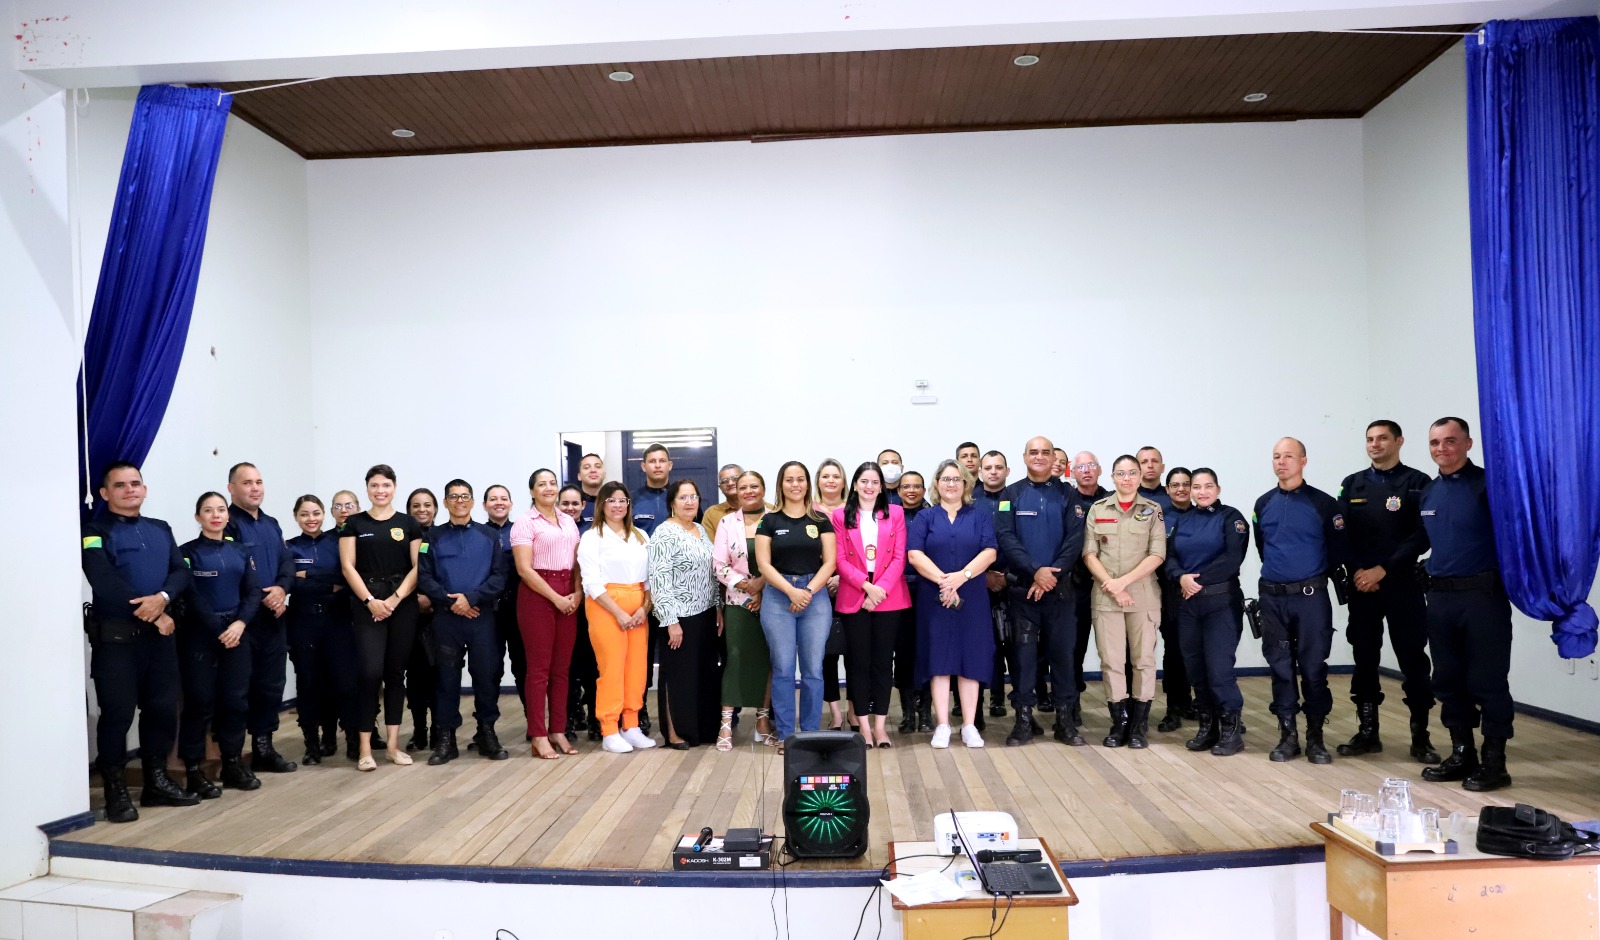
point(747, 674)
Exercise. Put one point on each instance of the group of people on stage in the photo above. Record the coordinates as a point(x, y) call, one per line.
point(966, 582)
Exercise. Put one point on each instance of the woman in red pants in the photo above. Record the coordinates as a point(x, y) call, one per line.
point(544, 543)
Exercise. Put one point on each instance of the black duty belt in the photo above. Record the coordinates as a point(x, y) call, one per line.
point(1487, 581)
point(1308, 587)
point(1226, 587)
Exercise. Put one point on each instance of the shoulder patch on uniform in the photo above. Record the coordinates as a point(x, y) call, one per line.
point(1338, 521)
point(1239, 526)
point(93, 541)
point(1005, 506)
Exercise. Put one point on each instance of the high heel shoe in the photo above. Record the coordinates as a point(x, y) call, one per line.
point(725, 732)
point(763, 716)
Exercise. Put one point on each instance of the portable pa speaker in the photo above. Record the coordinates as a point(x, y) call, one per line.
point(825, 794)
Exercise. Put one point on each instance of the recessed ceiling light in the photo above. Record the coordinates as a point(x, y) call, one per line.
point(621, 76)
point(402, 132)
point(1256, 96)
point(1025, 60)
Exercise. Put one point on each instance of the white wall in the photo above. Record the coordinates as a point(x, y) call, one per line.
point(1281, 901)
point(41, 632)
point(243, 390)
point(1419, 271)
point(1196, 287)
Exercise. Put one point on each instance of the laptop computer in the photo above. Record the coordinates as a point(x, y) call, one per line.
point(1009, 878)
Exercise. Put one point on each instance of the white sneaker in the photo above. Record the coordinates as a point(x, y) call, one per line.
point(616, 744)
point(941, 736)
point(970, 736)
point(638, 738)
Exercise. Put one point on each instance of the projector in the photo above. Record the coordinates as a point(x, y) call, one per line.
point(985, 829)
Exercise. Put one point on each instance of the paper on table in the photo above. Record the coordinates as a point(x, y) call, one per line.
point(930, 887)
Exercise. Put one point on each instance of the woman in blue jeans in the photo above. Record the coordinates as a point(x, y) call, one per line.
point(795, 554)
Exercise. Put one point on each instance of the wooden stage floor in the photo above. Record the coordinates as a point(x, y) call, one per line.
point(603, 811)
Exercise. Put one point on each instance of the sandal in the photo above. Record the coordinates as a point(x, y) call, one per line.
point(544, 750)
point(400, 758)
point(763, 715)
point(366, 764)
point(725, 732)
point(559, 741)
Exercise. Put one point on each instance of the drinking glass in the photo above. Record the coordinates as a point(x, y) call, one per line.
point(1365, 816)
point(1347, 803)
point(1389, 822)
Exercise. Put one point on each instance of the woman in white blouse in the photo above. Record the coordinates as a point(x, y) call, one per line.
point(613, 557)
point(687, 604)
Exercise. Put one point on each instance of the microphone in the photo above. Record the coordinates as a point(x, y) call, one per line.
point(704, 840)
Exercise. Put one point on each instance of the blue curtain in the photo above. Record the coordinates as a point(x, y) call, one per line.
point(1533, 113)
point(141, 310)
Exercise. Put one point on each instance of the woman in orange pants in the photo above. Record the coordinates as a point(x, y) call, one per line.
point(613, 557)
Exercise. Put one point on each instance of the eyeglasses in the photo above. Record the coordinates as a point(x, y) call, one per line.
point(344, 505)
point(457, 497)
point(951, 480)
point(727, 481)
point(683, 498)
point(1125, 473)
point(615, 501)
point(1087, 466)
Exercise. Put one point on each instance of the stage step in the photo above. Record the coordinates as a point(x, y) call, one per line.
point(56, 908)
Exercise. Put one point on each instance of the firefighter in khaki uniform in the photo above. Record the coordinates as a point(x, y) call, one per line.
point(1124, 542)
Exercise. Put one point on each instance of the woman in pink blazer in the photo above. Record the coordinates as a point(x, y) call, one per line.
point(872, 596)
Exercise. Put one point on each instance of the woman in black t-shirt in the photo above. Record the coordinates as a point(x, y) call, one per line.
point(795, 553)
point(378, 555)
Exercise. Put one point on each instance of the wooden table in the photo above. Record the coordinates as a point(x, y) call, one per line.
point(1030, 917)
point(1471, 894)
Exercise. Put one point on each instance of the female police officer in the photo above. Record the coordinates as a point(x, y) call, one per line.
point(215, 665)
point(1208, 545)
point(320, 641)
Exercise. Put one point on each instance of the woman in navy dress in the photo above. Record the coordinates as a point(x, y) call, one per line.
point(951, 544)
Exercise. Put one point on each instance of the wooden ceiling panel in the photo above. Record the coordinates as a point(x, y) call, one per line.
point(1140, 81)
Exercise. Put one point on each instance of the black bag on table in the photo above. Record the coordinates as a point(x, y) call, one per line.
point(1523, 831)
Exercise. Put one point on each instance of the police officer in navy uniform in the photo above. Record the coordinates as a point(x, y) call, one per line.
point(462, 570)
point(134, 571)
point(916, 704)
point(497, 505)
point(1174, 676)
point(322, 642)
point(214, 656)
point(1300, 537)
point(991, 473)
point(1041, 536)
point(650, 509)
point(591, 476)
point(267, 639)
point(1382, 512)
point(1469, 614)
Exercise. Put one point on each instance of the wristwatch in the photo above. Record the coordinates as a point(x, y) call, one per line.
point(368, 601)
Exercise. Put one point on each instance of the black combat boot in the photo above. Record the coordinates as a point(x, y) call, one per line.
point(1316, 752)
point(1462, 762)
point(1421, 747)
point(1067, 733)
point(924, 711)
point(1491, 773)
point(908, 711)
point(161, 790)
point(198, 783)
point(1022, 731)
point(265, 759)
point(313, 748)
point(488, 743)
point(444, 746)
point(1172, 720)
point(1047, 702)
point(419, 732)
point(1118, 735)
point(644, 721)
point(1077, 711)
point(1205, 736)
point(236, 776)
point(1288, 740)
point(1138, 725)
point(119, 805)
point(1230, 739)
point(1366, 736)
point(352, 745)
point(1191, 711)
point(330, 740)
point(997, 705)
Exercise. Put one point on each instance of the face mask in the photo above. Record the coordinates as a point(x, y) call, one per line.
point(891, 473)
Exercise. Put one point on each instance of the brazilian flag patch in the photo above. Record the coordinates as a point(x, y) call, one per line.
point(1005, 506)
point(92, 541)
point(423, 548)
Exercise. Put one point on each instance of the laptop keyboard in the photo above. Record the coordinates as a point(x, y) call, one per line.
point(1006, 877)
